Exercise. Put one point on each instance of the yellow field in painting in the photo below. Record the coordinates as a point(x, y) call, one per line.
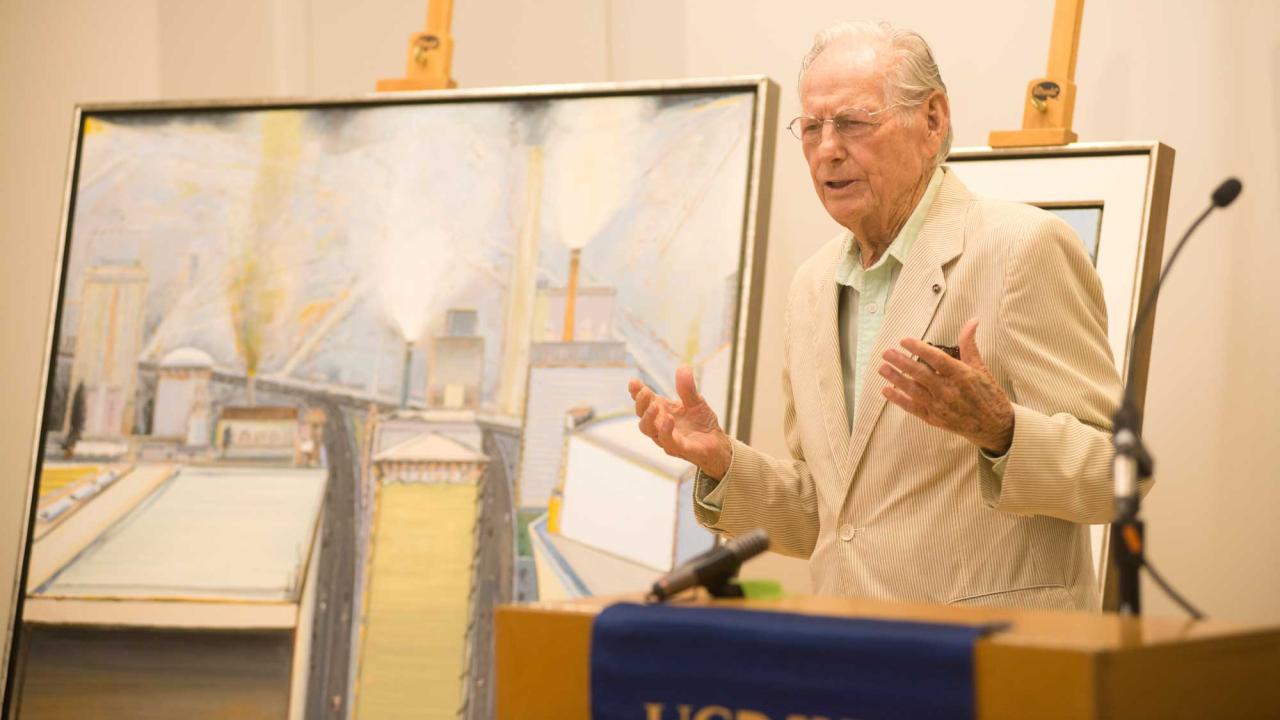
point(415, 625)
point(60, 476)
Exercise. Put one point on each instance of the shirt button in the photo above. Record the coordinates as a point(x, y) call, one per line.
point(872, 308)
point(847, 532)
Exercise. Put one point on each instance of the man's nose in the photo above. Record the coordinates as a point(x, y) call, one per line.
point(829, 146)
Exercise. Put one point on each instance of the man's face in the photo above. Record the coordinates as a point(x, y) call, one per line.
point(866, 182)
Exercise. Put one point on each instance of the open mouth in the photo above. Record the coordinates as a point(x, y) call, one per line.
point(838, 184)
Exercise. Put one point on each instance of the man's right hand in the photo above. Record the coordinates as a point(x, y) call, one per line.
point(687, 429)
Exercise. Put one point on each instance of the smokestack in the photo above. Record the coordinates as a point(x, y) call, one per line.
point(571, 296)
point(404, 375)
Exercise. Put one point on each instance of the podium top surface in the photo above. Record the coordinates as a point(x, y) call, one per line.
point(1079, 631)
point(1041, 664)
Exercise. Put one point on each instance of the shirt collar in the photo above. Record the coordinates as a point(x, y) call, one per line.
point(850, 272)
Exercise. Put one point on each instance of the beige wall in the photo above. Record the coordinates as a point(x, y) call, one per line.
point(51, 54)
point(1200, 75)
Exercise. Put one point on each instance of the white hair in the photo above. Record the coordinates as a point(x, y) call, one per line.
point(913, 75)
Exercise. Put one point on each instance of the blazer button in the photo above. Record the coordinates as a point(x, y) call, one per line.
point(847, 532)
point(937, 288)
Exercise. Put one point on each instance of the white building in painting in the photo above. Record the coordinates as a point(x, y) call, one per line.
point(456, 368)
point(259, 432)
point(182, 397)
point(430, 458)
point(592, 313)
point(108, 341)
point(400, 426)
point(622, 515)
point(592, 370)
point(563, 376)
point(623, 495)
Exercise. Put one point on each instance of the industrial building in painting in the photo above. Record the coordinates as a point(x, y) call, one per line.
point(192, 587)
point(427, 477)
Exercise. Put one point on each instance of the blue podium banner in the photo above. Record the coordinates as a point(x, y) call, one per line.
point(662, 662)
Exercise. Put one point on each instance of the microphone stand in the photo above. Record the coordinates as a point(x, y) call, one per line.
point(1133, 464)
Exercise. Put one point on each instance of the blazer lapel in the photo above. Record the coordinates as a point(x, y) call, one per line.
point(826, 352)
point(911, 307)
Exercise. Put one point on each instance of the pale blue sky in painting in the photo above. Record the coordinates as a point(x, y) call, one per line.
point(1087, 222)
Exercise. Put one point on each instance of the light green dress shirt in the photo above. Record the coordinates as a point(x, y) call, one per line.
point(865, 292)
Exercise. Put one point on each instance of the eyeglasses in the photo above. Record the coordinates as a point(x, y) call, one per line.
point(852, 123)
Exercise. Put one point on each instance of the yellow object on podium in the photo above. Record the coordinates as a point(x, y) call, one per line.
point(1044, 664)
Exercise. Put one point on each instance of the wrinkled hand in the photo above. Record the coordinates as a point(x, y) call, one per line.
point(956, 395)
point(687, 429)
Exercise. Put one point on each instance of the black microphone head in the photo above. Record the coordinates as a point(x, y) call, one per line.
point(1227, 192)
point(745, 547)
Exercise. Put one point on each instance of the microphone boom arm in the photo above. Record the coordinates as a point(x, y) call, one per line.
point(1133, 464)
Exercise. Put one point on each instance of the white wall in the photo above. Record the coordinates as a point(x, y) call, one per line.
point(1200, 75)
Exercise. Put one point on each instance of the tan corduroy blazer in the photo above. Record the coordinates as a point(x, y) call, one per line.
point(894, 508)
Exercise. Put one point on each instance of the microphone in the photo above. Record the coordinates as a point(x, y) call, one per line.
point(1132, 462)
point(712, 569)
point(1227, 192)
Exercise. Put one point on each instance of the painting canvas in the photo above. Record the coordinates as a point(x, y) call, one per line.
point(330, 380)
point(1115, 196)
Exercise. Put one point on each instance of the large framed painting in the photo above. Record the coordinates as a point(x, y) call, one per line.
point(328, 380)
point(1116, 197)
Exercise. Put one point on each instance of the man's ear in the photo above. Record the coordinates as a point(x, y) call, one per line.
point(938, 115)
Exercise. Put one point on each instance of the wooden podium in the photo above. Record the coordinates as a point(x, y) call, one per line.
point(1045, 665)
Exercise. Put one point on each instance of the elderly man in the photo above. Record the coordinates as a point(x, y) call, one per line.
point(947, 377)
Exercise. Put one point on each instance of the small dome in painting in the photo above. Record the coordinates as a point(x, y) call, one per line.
point(187, 357)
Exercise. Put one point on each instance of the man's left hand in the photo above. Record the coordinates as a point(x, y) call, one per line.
point(956, 395)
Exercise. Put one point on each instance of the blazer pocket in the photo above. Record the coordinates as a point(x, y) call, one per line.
point(1042, 597)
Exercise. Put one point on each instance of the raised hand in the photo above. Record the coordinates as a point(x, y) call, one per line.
point(957, 395)
point(687, 429)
